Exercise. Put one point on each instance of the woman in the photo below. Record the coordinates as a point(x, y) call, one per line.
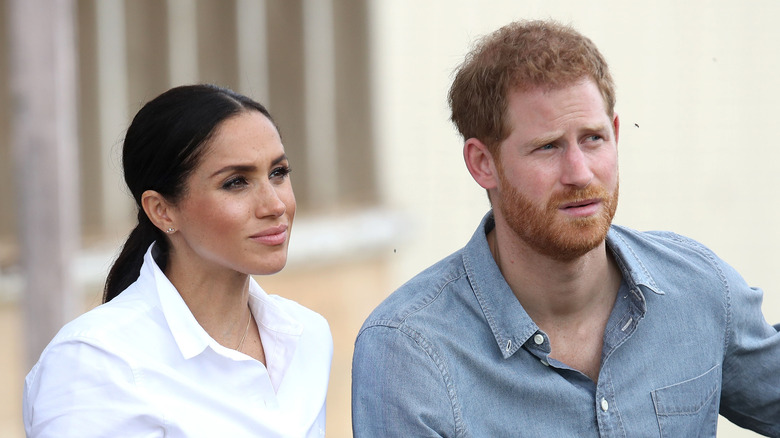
point(186, 342)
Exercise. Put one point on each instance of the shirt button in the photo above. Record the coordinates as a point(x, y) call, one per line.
point(604, 405)
point(538, 339)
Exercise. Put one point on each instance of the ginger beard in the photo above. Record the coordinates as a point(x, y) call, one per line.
point(550, 233)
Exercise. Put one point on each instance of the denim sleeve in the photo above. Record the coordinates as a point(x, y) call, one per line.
point(751, 369)
point(399, 386)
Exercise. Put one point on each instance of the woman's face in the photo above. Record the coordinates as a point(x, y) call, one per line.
point(238, 207)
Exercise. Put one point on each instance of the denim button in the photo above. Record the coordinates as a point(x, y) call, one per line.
point(538, 339)
point(604, 405)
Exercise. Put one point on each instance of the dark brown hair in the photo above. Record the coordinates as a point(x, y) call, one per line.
point(162, 147)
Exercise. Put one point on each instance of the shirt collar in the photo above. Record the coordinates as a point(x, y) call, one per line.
point(190, 337)
point(508, 320)
point(510, 323)
point(635, 273)
point(279, 330)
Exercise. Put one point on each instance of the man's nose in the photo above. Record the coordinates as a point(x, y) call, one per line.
point(575, 168)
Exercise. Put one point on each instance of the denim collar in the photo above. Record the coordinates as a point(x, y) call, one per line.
point(634, 271)
point(508, 320)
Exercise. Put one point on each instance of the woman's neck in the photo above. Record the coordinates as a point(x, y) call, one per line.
point(218, 298)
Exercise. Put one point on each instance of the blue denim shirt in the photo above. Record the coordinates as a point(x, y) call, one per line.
point(452, 353)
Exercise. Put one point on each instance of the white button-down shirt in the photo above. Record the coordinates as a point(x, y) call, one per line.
point(142, 366)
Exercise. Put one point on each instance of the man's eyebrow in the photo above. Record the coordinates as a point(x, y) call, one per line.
point(246, 167)
point(597, 127)
point(545, 139)
point(552, 137)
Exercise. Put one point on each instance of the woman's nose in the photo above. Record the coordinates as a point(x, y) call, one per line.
point(269, 202)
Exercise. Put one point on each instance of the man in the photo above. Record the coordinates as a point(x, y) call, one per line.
point(552, 321)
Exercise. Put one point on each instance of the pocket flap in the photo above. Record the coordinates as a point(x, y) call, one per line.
point(688, 397)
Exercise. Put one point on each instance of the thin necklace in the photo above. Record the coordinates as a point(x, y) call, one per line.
point(246, 330)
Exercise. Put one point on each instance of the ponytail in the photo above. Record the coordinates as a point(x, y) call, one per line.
point(127, 267)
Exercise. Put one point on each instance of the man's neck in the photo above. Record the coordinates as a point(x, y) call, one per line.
point(570, 301)
point(546, 286)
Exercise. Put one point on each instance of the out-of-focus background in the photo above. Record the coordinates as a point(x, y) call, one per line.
point(358, 88)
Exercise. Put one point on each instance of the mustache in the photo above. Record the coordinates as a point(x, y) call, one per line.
point(573, 194)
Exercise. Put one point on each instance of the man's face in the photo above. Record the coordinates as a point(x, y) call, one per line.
point(557, 171)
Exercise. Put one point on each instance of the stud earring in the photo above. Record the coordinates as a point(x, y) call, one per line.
point(170, 230)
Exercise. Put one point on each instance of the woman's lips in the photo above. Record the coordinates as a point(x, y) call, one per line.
point(272, 236)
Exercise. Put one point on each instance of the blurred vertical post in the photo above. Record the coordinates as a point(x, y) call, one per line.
point(44, 144)
point(320, 85)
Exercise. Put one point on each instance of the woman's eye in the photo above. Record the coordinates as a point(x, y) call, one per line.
point(235, 183)
point(280, 172)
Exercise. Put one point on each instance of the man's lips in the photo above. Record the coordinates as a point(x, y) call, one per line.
point(272, 236)
point(581, 208)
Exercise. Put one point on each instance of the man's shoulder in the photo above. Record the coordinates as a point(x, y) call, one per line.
point(657, 253)
point(653, 241)
point(419, 295)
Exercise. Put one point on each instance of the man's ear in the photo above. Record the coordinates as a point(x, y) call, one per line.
point(616, 125)
point(480, 163)
point(158, 210)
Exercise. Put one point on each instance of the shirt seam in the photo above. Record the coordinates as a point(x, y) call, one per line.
point(441, 365)
point(704, 252)
point(397, 321)
point(89, 338)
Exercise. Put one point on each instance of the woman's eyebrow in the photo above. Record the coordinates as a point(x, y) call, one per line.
point(246, 167)
point(279, 159)
point(235, 168)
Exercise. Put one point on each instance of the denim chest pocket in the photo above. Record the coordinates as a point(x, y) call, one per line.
point(689, 408)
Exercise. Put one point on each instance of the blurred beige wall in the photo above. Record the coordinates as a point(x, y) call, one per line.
point(697, 88)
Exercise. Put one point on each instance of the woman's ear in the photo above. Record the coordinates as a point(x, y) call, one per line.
point(158, 210)
point(480, 163)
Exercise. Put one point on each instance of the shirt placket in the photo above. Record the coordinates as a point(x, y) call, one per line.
point(620, 327)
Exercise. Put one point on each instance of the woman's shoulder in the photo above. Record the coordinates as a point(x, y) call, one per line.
point(285, 315)
point(89, 368)
point(110, 325)
point(300, 313)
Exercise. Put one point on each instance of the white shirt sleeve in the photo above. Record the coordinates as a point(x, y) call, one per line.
point(78, 389)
